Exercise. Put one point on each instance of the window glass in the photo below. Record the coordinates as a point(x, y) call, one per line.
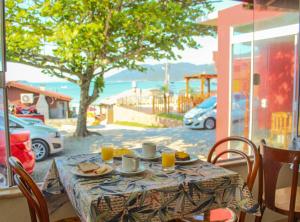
point(209, 103)
point(3, 164)
point(3, 130)
point(276, 71)
point(173, 103)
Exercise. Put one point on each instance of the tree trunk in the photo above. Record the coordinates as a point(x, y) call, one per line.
point(81, 128)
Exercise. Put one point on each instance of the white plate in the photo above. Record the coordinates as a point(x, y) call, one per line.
point(78, 172)
point(157, 156)
point(192, 159)
point(126, 173)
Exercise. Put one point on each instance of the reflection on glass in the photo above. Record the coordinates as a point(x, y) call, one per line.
point(240, 95)
point(275, 64)
point(3, 172)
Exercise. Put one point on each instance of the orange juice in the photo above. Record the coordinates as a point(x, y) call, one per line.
point(168, 159)
point(107, 152)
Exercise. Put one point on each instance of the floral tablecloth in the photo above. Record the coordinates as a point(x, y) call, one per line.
point(151, 196)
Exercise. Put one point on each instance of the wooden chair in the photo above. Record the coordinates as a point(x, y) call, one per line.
point(225, 214)
point(281, 127)
point(283, 200)
point(35, 199)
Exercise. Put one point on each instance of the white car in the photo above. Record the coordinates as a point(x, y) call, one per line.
point(45, 140)
point(33, 121)
point(204, 115)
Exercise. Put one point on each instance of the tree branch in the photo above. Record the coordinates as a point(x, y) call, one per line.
point(107, 25)
point(61, 75)
point(94, 95)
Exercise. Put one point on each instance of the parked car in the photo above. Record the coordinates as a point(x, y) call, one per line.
point(32, 121)
point(20, 146)
point(204, 115)
point(45, 140)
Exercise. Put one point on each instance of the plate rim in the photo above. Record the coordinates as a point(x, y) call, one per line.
point(75, 172)
point(157, 156)
point(131, 173)
point(187, 161)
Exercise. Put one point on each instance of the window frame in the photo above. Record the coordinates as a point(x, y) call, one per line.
point(3, 87)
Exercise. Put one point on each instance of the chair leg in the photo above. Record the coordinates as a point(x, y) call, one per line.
point(259, 218)
point(242, 217)
point(207, 216)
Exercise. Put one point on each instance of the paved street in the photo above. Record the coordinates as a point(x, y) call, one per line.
point(194, 141)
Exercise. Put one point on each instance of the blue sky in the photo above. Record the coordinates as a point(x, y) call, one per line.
point(204, 55)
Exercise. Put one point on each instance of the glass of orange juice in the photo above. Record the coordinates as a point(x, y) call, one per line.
point(107, 152)
point(168, 160)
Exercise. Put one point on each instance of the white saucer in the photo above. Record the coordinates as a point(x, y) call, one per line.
point(192, 159)
point(157, 156)
point(126, 173)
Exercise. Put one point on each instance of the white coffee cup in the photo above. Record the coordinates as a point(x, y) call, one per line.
point(130, 163)
point(149, 150)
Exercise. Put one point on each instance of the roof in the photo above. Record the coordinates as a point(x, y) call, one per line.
point(36, 90)
point(201, 76)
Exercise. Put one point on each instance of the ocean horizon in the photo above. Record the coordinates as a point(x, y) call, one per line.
point(112, 88)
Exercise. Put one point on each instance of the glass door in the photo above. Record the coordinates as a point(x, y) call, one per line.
point(4, 134)
point(275, 71)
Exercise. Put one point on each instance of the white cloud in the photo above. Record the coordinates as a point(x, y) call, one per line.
point(16, 72)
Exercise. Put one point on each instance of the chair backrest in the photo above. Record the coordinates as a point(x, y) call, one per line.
point(251, 166)
point(35, 199)
point(272, 161)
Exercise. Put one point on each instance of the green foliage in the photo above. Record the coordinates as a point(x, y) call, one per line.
point(81, 40)
point(171, 116)
point(165, 88)
point(92, 37)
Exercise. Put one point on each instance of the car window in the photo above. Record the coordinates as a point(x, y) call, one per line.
point(13, 124)
point(18, 120)
point(208, 103)
point(1, 122)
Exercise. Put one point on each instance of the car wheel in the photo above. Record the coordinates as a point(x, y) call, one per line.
point(210, 123)
point(41, 149)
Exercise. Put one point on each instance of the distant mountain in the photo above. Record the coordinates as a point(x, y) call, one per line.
point(156, 72)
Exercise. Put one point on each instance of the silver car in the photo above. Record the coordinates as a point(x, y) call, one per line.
point(45, 140)
point(33, 121)
point(204, 115)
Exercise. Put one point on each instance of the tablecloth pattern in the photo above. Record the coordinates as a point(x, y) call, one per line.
point(151, 196)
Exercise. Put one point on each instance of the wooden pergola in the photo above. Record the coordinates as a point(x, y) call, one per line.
point(203, 77)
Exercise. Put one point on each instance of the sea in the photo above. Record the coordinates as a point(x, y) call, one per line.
point(113, 88)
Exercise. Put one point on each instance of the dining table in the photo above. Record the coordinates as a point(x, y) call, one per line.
point(153, 195)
